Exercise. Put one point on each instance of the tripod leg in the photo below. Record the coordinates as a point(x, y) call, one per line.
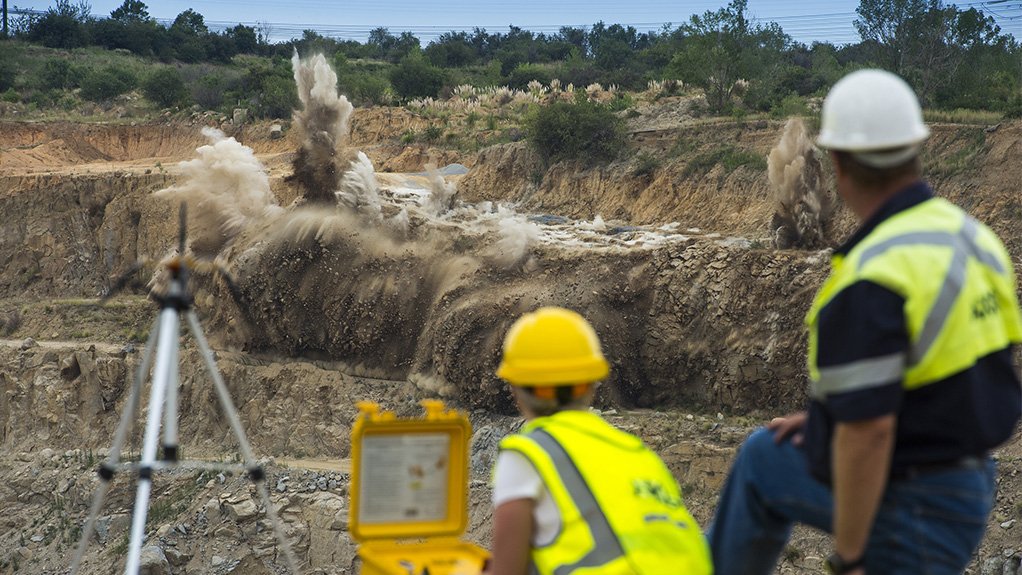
point(166, 351)
point(170, 434)
point(255, 471)
point(106, 471)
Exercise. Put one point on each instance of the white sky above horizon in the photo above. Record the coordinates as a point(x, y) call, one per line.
point(824, 21)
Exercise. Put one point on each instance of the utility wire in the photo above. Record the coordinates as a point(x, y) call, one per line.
point(833, 27)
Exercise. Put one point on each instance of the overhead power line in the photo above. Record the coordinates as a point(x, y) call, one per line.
point(835, 27)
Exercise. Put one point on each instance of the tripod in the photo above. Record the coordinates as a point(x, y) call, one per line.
point(163, 404)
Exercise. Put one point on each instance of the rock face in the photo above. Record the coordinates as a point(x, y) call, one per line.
point(511, 168)
point(153, 561)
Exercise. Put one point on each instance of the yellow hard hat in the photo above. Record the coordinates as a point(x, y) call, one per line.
point(552, 346)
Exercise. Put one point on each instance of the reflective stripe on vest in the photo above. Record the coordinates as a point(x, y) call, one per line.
point(933, 224)
point(606, 546)
point(964, 245)
point(620, 508)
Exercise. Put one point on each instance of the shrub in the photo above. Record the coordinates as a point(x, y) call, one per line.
point(791, 105)
point(60, 74)
point(208, 91)
point(728, 156)
point(165, 88)
point(268, 87)
point(277, 98)
point(432, 133)
point(520, 77)
point(44, 98)
point(57, 29)
point(8, 73)
point(100, 85)
point(646, 164)
point(414, 77)
point(365, 88)
point(1014, 108)
point(582, 130)
point(621, 102)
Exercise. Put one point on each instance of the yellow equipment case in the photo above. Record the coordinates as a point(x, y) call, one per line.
point(409, 493)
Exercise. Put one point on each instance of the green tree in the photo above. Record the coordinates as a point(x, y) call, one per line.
point(277, 98)
point(451, 50)
point(414, 77)
point(189, 36)
point(925, 41)
point(140, 36)
point(380, 42)
point(62, 26)
point(269, 88)
point(885, 24)
point(190, 22)
point(245, 39)
point(105, 84)
point(365, 88)
point(131, 10)
point(720, 48)
point(59, 74)
point(525, 73)
point(582, 130)
point(165, 88)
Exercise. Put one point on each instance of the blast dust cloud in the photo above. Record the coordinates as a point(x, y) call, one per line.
point(226, 189)
point(343, 208)
point(803, 205)
point(323, 124)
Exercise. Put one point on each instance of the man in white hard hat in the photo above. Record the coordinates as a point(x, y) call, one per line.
point(910, 356)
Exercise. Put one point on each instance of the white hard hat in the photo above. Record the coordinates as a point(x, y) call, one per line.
point(874, 115)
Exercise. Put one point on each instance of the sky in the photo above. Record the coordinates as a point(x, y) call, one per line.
point(805, 20)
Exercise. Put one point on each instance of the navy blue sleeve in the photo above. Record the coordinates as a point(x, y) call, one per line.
point(864, 321)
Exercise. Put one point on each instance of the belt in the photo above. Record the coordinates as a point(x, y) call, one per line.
point(912, 471)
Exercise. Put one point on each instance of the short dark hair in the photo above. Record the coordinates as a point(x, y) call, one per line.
point(870, 177)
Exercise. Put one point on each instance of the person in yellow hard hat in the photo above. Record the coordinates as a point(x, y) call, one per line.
point(571, 492)
point(911, 340)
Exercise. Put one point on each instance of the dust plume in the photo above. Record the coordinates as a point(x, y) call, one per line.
point(441, 192)
point(322, 126)
point(400, 223)
point(226, 188)
point(359, 189)
point(803, 207)
point(517, 235)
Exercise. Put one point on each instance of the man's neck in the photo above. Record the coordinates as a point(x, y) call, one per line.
point(866, 201)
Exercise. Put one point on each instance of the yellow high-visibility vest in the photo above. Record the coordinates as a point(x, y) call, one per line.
point(621, 509)
point(958, 285)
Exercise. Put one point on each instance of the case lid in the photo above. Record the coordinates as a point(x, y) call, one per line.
point(409, 477)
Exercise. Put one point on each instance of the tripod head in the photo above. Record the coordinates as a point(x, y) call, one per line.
point(169, 285)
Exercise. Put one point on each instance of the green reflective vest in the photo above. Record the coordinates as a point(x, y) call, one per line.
point(621, 509)
point(959, 289)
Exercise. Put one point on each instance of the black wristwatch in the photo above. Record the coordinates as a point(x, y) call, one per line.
point(838, 565)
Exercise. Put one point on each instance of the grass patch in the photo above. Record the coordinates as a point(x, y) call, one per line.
point(968, 144)
point(173, 504)
point(646, 164)
point(728, 156)
point(963, 116)
point(682, 147)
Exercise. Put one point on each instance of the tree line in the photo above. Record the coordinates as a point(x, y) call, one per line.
point(954, 58)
